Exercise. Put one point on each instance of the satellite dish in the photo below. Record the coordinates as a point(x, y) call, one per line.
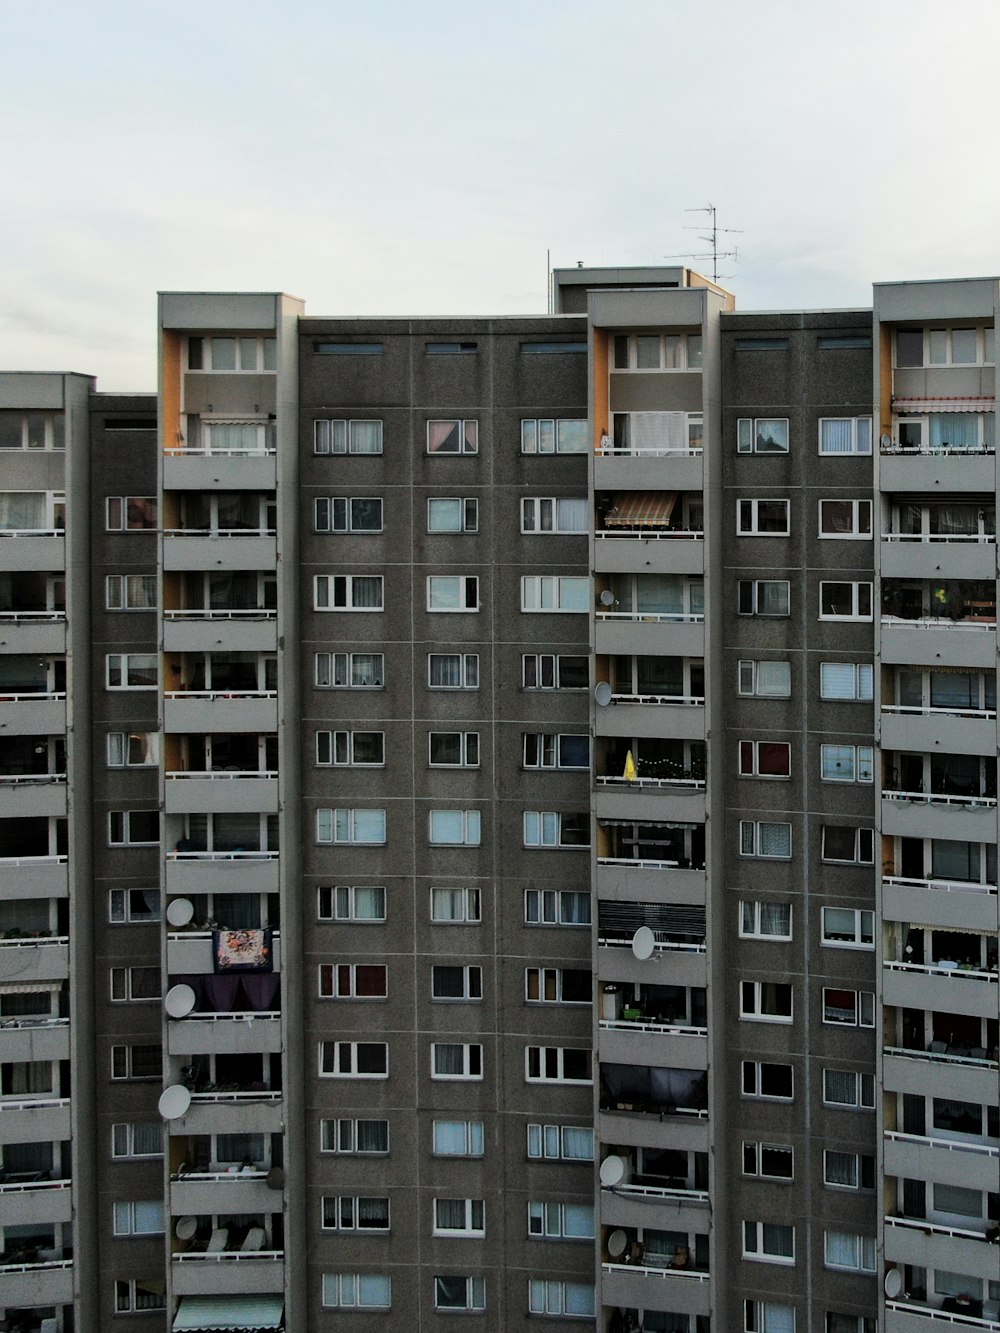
point(607, 597)
point(617, 1243)
point(885, 441)
point(185, 1228)
point(275, 1178)
point(174, 1101)
point(612, 1171)
point(643, 943)
point(180, 911)
point(179, 1001)
point(603, 693)
point(893, 1283)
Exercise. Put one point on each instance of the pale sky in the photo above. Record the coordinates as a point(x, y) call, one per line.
point(422, 156)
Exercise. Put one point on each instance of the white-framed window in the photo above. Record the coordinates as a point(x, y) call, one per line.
point(772, 1242)
point(846, 1088)
point(766, 1001)
point(133, 828)
point(458, 1138)
point(657, 351)
point(560, 1143)
point(765, 680)
point(357, 1291)
point(351, 749)
point(547, 435)
point(354, 1059)
point(554, 514)
point(453, 749)
point(561, 1221)
point(337, 436)
point(138, 1217)
point(349, 1212)
point(765, 759)
point(763, 518)
point(133, 749)
point(139, 1295)
point(554, 592)
point(554, 671)
point(850, 1008)
point(453, 437)
point(32, 430)
point(657, 434)
point(859, 1323)
point(350, 671)
point(556, 1297)
point(130, 513)
point(137, 1139)
point(772, 1082)
point(763, 597)
point(845, 518)
point(135, 983)
point(132, 671)
point(244, 355)
point(556, 750)
point(550, 828)
point(354, 1138)
point(452, 513)
point(762, 435)
point(848, 846)
point(947, 346)
point(456, 906)
point(454, 828)
point(366, 827)
point(765, 921)
point(848, 928)
point(768, 1317)
point(351, 902)
point(770, 1161)
point(29, 1078)
point(136, 1063)
point(133, 906)
point(845, 435)
point(558, 985)
point(453, 671)
point(347, 513)
point(452, 592)
point(348, 592)
point(454, 1292)
point(456, 982)
point(556, 907)
point(557, 1064)
point(848, 1170)
point(459, 1217)
point(852, 681)
point(353, 981)
point(765, 841)
point(453, 1060)
point(849, 1251)
point(847, 763)
point(845, 601)
point(130, 592)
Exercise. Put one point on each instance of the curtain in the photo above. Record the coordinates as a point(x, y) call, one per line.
point(220, 992)
point(775, 918)
point(372, 1136)
point(443, 437)
point(573, 515)
point(578, 1143)
point(836, 436)
point(772, 598)
point(652, 431)
point(953, 430)
point(449, 1058)
point(840, 1086)
point(261, 991)
point(450, 1214)
point(22, 511)
point(366, 590)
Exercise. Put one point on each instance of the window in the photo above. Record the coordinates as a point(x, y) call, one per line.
point(32, 430)
point(556, 907)
point(139, 1294)
point(845, 518)
point(131, 513)
point(346, 1212)
point(552, 592)
point(844, 1087)
point(130, 592)
point(452, 514)
point(350, 671)
point(135, 983)
point(452, 592)
point(139, 1139)
point(762, 435)
point(351, 749)
point(556, 750)
point(341, 513)
point(772, 1161)
point(456, 983)
point(773, 1242)
point(231, 354)
point(657, 351)
point(561, 1143)
point(458, 1138)
point(549, 828)
point(133, 749)
point(353, 981)
point(459, 1293)
point(133, 906)
point(139, 1217)
point(453, 671)
point(761, 920)
point(771, 1081)
point(857, 1323)
point(848, 928)
point(552, 1296)
point(132, 671)
point(763, 597)
point(557, 1064)
point(450, 348)
point(845, 601)
point(845, 1249)
point(453, 437)
point(353, 1059)
point(655, 434)
point(850, 1007)
point(136, 1063)
point(548, 436)
point(29, 1078)
point(348, 592)
point(548, 671)
point(455, 828)
point(849, 846)
point(459, 1217)
point(453, 1060)
point(846, 763)
point(357, 1291)
point(358, 826)
point(845, 435)
point(347, 437)
point(554, 515)
point(766, 1001)
point(769, 842)
point(761, 344)
point(944, 346)
point(768, 1317)
point(846, 680)
point(352, 902)
point(763, 518)
point(765, 759)
point(456, 907)
point(133, 828)
point(558, 985)
point(849, 1170)
point(765, 680)
point(562, 1221)
point(355, 1138)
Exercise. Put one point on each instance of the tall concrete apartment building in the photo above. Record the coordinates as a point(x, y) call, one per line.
point(498, 821)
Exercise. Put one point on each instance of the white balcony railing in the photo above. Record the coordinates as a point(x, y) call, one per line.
point(938, 798)
point(914, 711)
point(219, 775)
point(943, 969)
point(690, 700)
point(661, 945)
point(219, 532)
point(646, 1025)
point(937, 885)
point(212, 695)
point(945, 1057)
point(644, 534)
point(680, 784)
point(33, 696)
point(947, 1145)
point(974, 538)
point(665, 1272)
point(654, 617)
point(243, 613)
point(31, 779)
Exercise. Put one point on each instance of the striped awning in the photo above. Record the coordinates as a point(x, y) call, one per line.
point(628, 917)
point(230, 1314)
point(640, 509)
point(903, 405)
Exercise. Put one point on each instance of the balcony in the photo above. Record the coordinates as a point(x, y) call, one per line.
point(947, 986)
point(959, 730)
point(233, 1111)
point(34, 1120)
point(35, 549)
point(217, 792)
point(648, 531)
point(33, 713)
point(34, 1202)
point(191, 872)
point(924, 1244)
point(945, 1073)
point(23, 795)
point(190, 631)
point(933, 557)
point(193, 951)
point(37, 959)
point(954, 818)
point(642, 1286)
point(683, 964)
point(203, 1274)
point(239, 1190)
point(944, 1313)
point(30, 1040)
point(36, 1281)
point(188, 711)
point(33, 632)
point(36, 876)
point(665, 465)
point(223, 469)
point(184, 549)
point(918, 1156)
point(242, 1032)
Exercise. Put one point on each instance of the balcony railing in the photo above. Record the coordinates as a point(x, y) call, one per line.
point(938, 885)
point(32, 1265)
point(233, 1016)
point(915, 711)
point(34, 1104)
point(40, 1182)
point(241, 855)
point(638, 864)
point(649, 1025)
point(653, 617)
point(926, 448)
point(938, 798)
point(9, 941)
point(691, 700)
point(218, 532)
point(220, 613)
point(936, 1228)
point(940, 1316)
point(943, 969)
point(30, 779)
point(34, 617)
point(657, 534)
point(944, 622)
point(608, 449)
point(231, 1094)
point(33, 696)
point(235, 1173)
point(32, 532)
point(681, 1196)
point(980, 538)
point(948, 1145)
point(619, 780)
point(948, 1055)
point(219, 775)
point(212, 695)
point(236, 451)
point(647, 1271)
point(34, 1021)
point(662, 945)
point(227, 1256)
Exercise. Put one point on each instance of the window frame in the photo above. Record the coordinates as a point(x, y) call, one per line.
point(346, 1214)
point(544, 820)
point(467, 439)
point(748, 511)
point(122, 740)
point(475, 1292)
point(758, 1077)
point(119, 589)
point(543, 897)
point(748, 675)
point(858, 442)
point(466, 670)
point(383, 1282)
point(863, 1246)
point(339, 981)
point(472, 828)
point(755, 1242)
point(754, 1150)
point(755, 904)
point(829, 940)
point(335, 891)
point(864, 1090)
point(127, 664)
point(754, 827)
point(466, 591)
point(472, 1062)
point(337, 1135)
point(859, 858)
point(547, 1219)
point(471, 976)
point(475, 1218)
point(753, 599)
point(861, 512)
point(553, 1297)
point(124, 981)
point(546, 742)
point(130, 1126)
point(858, 762)
point(749, 440)
point(345, 1060)
point(471, 901)
point(468, 516)
point(329, 522)
point(344, 667)
point(347, 816)
point(555, 673)
point(125, 838)
point(533, 429)
point(125, 1218)
point(753, 997)
point(857, 597)
point(533, 516)
point(474, 1133)
point(860, 1186)
point(544, 1056)
point(863, 1006)
point(860, 682)
point(335, 592)
point(330, 745)
point(749, 760)
point(347, 445)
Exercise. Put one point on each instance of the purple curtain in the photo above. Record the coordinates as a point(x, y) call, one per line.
point(261, 991)
point(220, 992)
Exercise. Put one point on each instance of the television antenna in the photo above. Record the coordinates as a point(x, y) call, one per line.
point(712, 239)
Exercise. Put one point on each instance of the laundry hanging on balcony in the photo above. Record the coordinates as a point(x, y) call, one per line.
point(242, 950)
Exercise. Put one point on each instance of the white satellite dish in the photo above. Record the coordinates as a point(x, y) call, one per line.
point(603, 693)
point(174, 1101)
point(893, 1283)
point(179, 1000)
point(607, 597)
point(180, 911)
point(617, 1243)
point(186, 1228)
point(612, 1171)
point(643, 943)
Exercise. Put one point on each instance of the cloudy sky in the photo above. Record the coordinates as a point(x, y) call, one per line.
point(394, 157)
